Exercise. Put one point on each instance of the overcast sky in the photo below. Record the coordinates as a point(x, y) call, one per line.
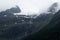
point(27, 5)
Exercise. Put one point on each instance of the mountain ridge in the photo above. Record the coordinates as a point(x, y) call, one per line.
point(50, 32)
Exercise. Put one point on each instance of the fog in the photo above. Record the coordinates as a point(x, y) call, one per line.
point(33, 6)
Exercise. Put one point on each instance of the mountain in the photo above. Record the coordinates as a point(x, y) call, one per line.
point(50, 32)
point(53, 8)
point(10, 12)
point(14, 27)
point(44, 18)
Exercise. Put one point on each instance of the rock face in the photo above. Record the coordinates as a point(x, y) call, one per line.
point(50, 32)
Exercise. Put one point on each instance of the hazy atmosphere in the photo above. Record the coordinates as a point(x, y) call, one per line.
point(33, 6)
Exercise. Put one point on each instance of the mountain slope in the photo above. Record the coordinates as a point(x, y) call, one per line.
point(49, 32)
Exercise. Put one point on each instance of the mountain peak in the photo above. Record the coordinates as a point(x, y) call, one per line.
point(53, 8)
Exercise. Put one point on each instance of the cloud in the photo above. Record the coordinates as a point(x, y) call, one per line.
point(27, 5)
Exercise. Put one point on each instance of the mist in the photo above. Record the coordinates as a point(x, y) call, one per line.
point(26, 6)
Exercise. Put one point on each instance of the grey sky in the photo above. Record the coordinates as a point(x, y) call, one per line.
point(27, 5)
